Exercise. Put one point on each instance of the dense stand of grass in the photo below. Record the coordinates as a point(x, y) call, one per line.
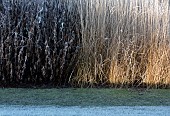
point(85, 43)
point(124, 42)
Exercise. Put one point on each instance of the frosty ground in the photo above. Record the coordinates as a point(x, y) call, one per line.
point(84, 111)
point(84, 102)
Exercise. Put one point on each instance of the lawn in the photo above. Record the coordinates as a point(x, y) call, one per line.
point(85, 97)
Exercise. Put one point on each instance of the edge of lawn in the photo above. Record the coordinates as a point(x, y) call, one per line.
point(85, 97)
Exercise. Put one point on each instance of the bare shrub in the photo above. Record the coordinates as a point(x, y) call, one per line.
point(39, 42)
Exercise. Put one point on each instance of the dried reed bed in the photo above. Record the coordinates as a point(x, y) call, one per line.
point(124, 43)
point(85, 43)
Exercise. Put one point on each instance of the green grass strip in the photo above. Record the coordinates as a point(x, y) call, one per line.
point(85, 97)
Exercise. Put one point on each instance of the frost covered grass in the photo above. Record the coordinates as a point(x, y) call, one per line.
point(85, 43)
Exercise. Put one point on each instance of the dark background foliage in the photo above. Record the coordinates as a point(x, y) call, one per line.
point(39, 43)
